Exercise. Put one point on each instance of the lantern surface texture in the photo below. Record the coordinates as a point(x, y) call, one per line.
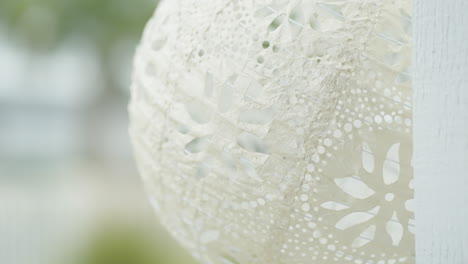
point(278, 131)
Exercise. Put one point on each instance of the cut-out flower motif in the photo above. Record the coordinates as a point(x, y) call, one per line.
point(374, 201)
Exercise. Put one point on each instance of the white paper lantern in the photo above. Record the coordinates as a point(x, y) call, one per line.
point(278, 131)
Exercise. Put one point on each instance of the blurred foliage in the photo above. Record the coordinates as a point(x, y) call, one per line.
point(43, 24)
point(122, 244)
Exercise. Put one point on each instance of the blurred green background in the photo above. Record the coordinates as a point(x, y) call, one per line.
point(69, 191)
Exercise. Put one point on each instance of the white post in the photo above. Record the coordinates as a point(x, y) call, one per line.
point(441, 131)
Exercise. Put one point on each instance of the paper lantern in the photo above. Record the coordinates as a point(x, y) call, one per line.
point(278, 131)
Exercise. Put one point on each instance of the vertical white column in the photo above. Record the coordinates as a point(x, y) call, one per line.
point(441, 130)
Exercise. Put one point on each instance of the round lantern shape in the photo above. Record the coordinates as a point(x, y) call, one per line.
point(278, 131)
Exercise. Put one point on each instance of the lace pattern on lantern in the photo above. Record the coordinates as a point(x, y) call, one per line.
point(278, 131)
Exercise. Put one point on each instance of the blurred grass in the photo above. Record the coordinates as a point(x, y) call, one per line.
point(123, 243)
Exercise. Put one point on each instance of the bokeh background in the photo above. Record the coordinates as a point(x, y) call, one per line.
point(69, 190)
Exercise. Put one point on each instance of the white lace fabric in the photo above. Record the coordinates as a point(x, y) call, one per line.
point(278, 131)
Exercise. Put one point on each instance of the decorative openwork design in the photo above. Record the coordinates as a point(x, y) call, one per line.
point(278, 131)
